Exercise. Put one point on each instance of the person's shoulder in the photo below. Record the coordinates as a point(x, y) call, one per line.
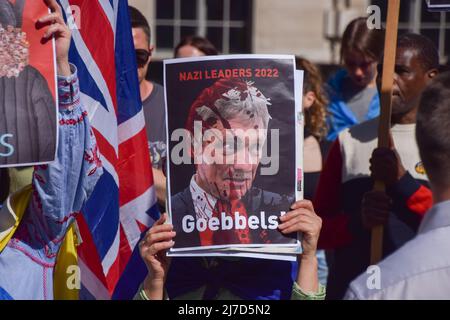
point(156, 96)
point(181, 206)
point(37, 84)
point(181, 201)
point(414, 267)
point(31, 71)
point(273, 197)
point(363, 132)
point(158, 87)
point(364, 127)
point(268, 198)
point(158, 91)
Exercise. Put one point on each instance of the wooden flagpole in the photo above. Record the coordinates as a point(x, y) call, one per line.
point(390, 49)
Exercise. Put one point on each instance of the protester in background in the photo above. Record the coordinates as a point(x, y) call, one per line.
point(352, 91)
point(315, 145)
point(152, 95)
point(314, 108)
point(344, 199)
point(34, 226)
point(194, 46)
point(421, 268)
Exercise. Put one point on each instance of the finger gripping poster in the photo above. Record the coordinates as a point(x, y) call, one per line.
point(28, 102)
point(232, 153)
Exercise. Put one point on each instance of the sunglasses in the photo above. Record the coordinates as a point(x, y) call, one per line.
point(142, 56)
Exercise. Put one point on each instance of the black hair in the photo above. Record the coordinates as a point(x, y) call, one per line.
point(139, 21)
point(202, 44)
point(358, 37)
point(433, 130)
point(426, 49)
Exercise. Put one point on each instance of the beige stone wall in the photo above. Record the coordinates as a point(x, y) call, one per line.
point(147, 7)
point(295, 27)
point(283, 26)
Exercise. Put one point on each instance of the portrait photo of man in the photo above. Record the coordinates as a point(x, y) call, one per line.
point(27, 106)
point(226, 202)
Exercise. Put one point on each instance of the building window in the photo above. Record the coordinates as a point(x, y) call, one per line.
point(226, 23)
point(415, 17)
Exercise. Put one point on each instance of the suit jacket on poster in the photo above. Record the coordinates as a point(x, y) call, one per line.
point(256, 200)
point(29, 113)
point(247, 278)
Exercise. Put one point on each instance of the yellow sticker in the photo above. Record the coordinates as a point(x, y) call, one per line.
point(420, 169)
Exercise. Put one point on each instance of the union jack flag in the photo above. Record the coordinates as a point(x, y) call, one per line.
point(123, 204)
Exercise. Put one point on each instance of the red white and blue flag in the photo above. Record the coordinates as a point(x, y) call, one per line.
point(123, 204)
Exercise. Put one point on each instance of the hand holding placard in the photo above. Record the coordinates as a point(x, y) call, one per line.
point(59, 30)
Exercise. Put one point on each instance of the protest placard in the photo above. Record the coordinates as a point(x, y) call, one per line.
point(438, 5)
point(235, 152)
point(28, 99)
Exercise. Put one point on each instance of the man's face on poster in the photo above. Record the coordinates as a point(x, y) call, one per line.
point(240, 147)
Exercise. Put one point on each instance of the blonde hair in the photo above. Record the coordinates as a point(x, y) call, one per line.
point(315, 116)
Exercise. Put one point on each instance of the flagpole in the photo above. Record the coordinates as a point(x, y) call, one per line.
point(390, 49)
